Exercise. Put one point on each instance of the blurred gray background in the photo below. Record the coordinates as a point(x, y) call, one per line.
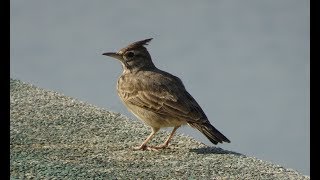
point(245, 62)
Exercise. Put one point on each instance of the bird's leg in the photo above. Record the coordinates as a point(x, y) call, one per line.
point(144, 146)
point(166, 143)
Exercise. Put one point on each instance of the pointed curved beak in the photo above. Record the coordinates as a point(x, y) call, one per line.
point(113, 54)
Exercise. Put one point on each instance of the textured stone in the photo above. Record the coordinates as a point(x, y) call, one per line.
point(59, 137)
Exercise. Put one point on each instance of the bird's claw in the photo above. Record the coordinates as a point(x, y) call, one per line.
point(151, 148)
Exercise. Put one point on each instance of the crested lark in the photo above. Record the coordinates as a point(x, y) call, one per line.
point(158, 98)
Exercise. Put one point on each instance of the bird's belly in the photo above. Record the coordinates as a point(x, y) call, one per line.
point(154, 119)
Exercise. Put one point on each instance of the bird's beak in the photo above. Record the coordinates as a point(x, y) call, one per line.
point(114, 55)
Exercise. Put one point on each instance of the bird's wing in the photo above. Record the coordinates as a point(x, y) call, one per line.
point(166, 96)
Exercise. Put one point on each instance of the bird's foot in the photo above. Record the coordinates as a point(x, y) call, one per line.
point(145, 147)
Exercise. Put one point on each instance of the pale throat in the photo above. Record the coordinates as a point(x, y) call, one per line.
point(137, 66)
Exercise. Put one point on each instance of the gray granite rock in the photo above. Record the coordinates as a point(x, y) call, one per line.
point(59, 137)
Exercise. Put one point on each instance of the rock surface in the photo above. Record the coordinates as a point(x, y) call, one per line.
point(59, 137)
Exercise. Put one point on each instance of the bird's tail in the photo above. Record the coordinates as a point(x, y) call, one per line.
point(210, 132)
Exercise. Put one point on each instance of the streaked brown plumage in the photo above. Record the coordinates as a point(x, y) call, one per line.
point(158, 98)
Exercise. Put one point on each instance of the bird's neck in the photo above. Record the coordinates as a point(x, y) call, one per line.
point(138, 67)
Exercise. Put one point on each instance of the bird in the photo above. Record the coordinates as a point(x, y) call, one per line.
point(158, 98)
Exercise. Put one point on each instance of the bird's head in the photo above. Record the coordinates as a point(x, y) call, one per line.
point(134, 56)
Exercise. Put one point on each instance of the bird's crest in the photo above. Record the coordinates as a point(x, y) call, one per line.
point(136, 44)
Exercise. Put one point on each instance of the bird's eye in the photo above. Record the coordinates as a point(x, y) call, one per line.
point(130, 54)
